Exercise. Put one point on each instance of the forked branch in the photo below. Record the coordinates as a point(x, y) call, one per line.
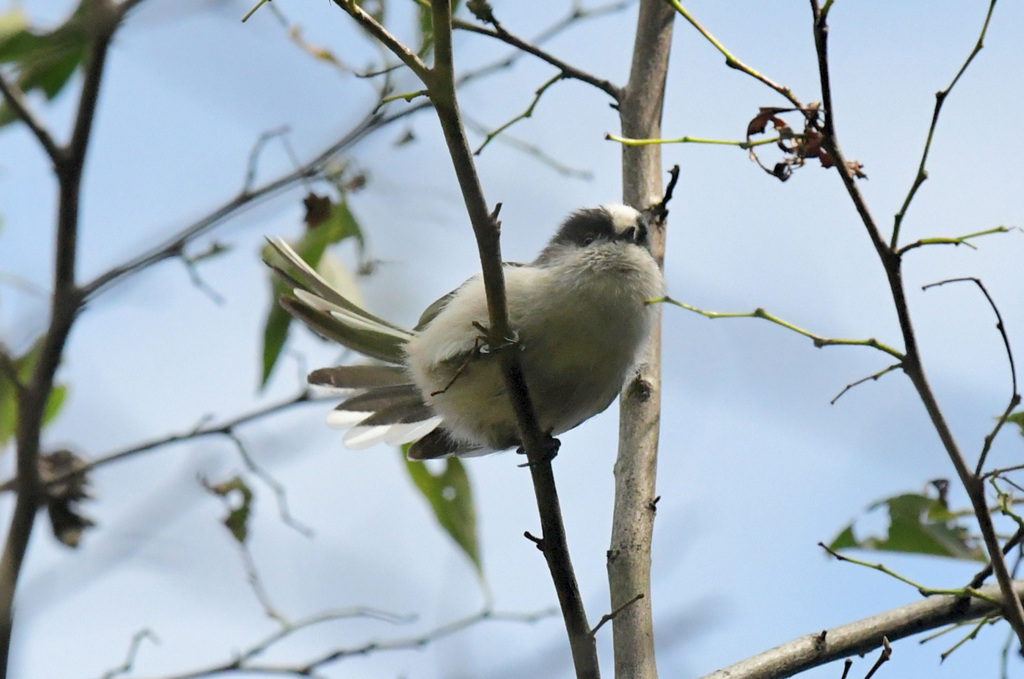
point(891, 261)
point(441, 88)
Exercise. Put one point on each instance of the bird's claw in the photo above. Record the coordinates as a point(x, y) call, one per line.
point(548, 445)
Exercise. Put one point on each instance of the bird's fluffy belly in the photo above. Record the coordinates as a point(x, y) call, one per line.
point(573, 365)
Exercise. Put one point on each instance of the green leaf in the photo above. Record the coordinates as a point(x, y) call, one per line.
point(426, 24)
point(54, 403)
point(917, 525)
point(235, 491)
point(327, 223)
point(844, 540)
point(451, 498)
point(1017, 418)
point(44, 61)
point(275, 331)
point(426, 31)
point(374, 8)
point(11, 23)
point(24, 365)
point(482, 10)
point(8, 410)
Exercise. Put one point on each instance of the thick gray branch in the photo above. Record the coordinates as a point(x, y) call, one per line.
point(863, 636)
point(629, 555)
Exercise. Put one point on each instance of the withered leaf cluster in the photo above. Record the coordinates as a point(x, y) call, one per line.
point(797, 147)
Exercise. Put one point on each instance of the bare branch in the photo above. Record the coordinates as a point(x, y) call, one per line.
point(628, 561)
point(272, 483)
point(921, 589)
point(863, 636)
point(522, 116)
point(441, 85)
point(818, 340)
point(15, 98)
point(531, 150)
point(955, 240)
point(882, 658)
point(66, 302)
point(243, 662)
point(225, 429)
point(608, 617)
point(940, 98)
point(1014, 396)
point(973, 634)
point(370, 25)
point(567, 70)
point(627, 141)
point(254, 155)
point(252, 576)
point(890, 258)
point(576, 13)
point(869, 378)
point(979, 579)
point(537, 446)
point(175, 245)
point(133, 652)
point(730, 60)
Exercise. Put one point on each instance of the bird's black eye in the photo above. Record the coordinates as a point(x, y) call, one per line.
point(587, 241)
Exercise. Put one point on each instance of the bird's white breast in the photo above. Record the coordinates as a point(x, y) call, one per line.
point(581, 322)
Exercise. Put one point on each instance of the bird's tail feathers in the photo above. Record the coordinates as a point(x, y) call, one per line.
point(329, 313)
point(383, 405)
point(360, 376)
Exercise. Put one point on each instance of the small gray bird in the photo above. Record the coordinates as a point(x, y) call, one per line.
point(581, 319)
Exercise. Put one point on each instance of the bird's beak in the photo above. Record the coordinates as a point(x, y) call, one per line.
point(636, 234)
point(628, 235)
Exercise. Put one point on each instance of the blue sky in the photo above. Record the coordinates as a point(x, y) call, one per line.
point(756, 466)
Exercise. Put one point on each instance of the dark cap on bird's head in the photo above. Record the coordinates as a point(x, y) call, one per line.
point(606, 224)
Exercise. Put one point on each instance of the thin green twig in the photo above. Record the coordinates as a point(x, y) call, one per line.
point(818, 340)
point(531, 150)
point(730, 60)
point(924, 591)
point(973, 633)
point(522, 116)
point(406, 96)
point(954, 240)
point(940, 98)
point(870, 378)
point(626, 141)
point(947, 629)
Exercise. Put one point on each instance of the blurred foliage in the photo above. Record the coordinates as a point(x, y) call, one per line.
point(918, 524)
point(67, 485)
point(238, 495)
point(327, 222)
point(1018, 419)
point(24, 365)
point(43, 60)
point(451, 498)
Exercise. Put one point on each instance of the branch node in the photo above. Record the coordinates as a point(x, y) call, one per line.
point(538, 542)
point(611, 616)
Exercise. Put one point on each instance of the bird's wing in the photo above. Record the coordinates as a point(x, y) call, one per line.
point(328, 313)
point(438, 443)
point(431, 312)
point(360, 376)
